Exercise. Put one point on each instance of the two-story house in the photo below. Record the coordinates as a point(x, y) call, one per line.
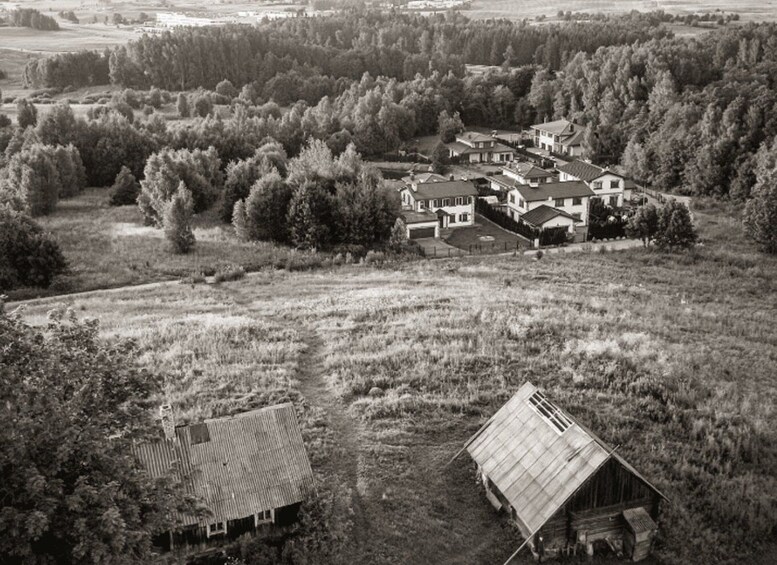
point(550, 204)
point(474, 147)
point(520, 173)
point(607, 186)
point(431, 202)
point(562, 137)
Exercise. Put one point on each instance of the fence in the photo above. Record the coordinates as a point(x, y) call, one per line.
point(485, 248)
point(504, 221)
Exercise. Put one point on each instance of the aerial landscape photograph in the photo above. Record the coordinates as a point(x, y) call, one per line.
point(388, 282)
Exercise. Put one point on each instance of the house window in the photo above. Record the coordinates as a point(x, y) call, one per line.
point(512, 198)
point(460, 201)
point(597, 185)
point(264, 517)
point(577, 216)
point(521, 203)
point(217, 529)
point(577, 201)
point(613, 201)
point(615, 184)
point(463, 217)
point(446, 202)
point(559, 202)
point(550, 412)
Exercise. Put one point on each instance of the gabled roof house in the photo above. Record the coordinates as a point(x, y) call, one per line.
point(607, 185)
point(561, 136)
point(250, 470)
point(431, 202)
point(475, 147)
point(562, 486)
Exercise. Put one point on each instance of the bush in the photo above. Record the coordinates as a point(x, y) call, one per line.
point(231, 273)
point(125, 189)
point(26, 113)
point(675, 227)
point(72, 175)
point(31, 181)
point(28, 255)
point(182, 105)
point(177, 220)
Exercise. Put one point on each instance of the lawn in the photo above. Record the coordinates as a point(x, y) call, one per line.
point(109, 246)
point(669, 356)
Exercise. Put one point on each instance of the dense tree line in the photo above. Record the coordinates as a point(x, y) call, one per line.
point(82, 68)
point(28, 17)
point(320, 51)
point(692, 115)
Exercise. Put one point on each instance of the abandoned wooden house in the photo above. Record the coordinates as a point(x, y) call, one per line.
point(250, 470)
point(565, 489)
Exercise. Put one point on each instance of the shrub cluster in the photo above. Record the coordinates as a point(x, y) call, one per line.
point(28, 256)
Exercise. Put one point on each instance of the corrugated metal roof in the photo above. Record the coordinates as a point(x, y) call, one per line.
point(535, 465)
point(250, 462)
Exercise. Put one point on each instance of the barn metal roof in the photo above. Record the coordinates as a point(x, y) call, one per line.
point(238, 465)
point(538, 456)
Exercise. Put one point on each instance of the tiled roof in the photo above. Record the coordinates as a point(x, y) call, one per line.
point(528, 170)
point(574, 139)
point(239, 465)
point(571, 189)
point(474, 136)
point(559, 127)
point(413, 217)
point(464, 149)
point(535, 465)
point(586, 172)
point(447, 189)
point(424, 177)
point(542, 214)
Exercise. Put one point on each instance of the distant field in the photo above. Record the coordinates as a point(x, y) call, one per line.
point(755, 10)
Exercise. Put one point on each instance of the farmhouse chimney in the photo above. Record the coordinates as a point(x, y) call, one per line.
point(168, 422)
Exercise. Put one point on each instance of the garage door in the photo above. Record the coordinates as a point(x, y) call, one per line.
point(418, 233)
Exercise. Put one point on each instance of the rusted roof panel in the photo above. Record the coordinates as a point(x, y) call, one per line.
point(250, 462)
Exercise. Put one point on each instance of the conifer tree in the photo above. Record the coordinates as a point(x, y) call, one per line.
point(177, 220)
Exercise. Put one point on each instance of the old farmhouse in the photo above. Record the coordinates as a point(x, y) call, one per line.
point(474, 147)
point(431, 202)
point(608, 186)
point(565, 489)
point(562, 137)
point(250, 470)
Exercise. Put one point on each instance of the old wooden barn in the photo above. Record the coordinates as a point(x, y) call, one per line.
point(250, 470)
point(565, 488)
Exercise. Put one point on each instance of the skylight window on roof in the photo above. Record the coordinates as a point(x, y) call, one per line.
point(550, 412)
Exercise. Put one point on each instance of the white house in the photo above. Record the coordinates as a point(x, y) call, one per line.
point(570, 198)
point(607, 186)
point(434, 201)
point(520, 173)
point(562, 137)
point(477, 147)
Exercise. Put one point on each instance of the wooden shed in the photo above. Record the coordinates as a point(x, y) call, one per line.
point(251, 470)
point(565, 489)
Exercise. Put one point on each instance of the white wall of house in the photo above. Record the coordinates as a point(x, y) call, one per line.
point(609, 188)
point(561, 221)
point(461, 208)
point(544, 140)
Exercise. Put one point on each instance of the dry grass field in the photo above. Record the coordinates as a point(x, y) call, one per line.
point(669, 356)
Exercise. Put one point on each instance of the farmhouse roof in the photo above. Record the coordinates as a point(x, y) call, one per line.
point(570, 189)
point(238, 465)
point(538, 456)
point(542, 214)
point(447, 189)
point(559, 127)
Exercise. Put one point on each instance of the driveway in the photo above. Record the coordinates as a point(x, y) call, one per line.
point(438, 248)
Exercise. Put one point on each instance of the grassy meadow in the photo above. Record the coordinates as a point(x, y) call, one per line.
point(669, 356)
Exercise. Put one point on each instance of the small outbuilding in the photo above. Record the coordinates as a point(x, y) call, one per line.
point(564, 488)
point(250, 470)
